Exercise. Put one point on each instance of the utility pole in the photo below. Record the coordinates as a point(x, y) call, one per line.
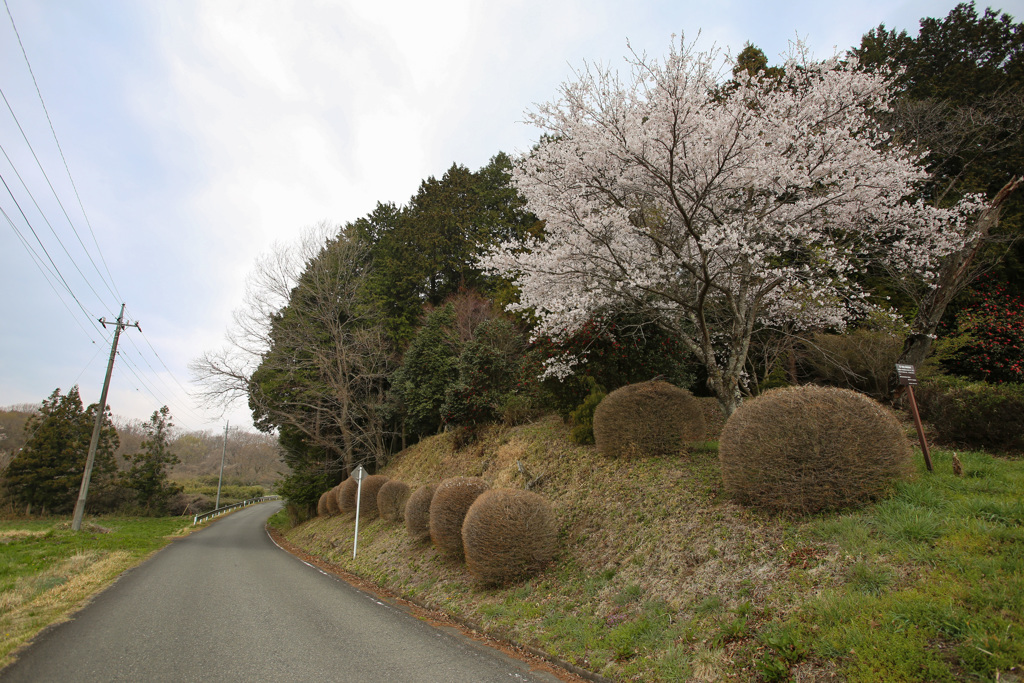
point(76, 522)
point(223, 451)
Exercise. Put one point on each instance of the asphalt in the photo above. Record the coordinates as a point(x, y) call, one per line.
point(226, 604)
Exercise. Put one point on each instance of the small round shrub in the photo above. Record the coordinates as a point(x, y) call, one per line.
point(582, 418)
point(321, 505)
point(391, 500)
point(368, 497)
point(508, 534)
point(648, 418)
point(417, 513)
point(331, 502)
point(448, 509)
point(811, 448)
point(346, 495)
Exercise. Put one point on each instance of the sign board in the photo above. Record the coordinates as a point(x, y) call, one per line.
point(359, 474)
point(907, 374)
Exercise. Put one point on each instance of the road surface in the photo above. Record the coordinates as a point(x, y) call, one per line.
point(226, 604)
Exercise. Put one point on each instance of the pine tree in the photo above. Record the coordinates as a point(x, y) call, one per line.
point(47, 473)
point(147, 475)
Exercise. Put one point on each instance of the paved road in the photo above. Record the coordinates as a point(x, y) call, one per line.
point(226, 604)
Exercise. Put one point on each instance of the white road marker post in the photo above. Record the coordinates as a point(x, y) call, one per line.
point(358, 474)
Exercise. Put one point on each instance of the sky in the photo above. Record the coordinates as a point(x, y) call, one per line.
point(182, 140)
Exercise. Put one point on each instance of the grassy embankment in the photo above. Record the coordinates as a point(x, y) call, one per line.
point(47, 571)
point(661, 577)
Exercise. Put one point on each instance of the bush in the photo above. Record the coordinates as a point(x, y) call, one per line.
point(417, 513)
point(368, 496)
point(346, 496)
point(518, 409)
point(861, 359)
point(391, 500)
point(331, 502)
point(811, 448)
point(508, 534)
point(654, 418)
point(188, 504)
point(448, 509)
point(974, 414)
point(322, 510)
point(992, 328)
point(582, 418)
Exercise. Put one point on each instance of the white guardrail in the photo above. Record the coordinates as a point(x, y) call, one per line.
point(220, 511)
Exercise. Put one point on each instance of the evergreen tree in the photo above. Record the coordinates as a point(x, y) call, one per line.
point(147, 474)
point(47, 473)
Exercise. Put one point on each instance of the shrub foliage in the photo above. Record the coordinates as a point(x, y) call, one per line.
point(345, 493)
point(975, 414)
point(322, 510)
point(810, 448)
point(331, 501)
point(654, 418)
point(448, 510)
point(508, 534)
point(391, 500)
point(417, 513)
point(368, 497)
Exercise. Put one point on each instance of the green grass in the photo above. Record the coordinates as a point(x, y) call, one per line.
point(47, 571)
point(662, 578)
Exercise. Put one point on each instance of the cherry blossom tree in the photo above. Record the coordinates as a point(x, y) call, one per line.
point(713, 207)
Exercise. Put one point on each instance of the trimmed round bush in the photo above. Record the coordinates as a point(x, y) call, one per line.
point(346, 495)
point(508, 534)
point(647, 418)
point(321, 505)
point(417, 513)
point(448, 509)
point(391, 500)
point(368, 498)
point(811, 448)
point(331, 502)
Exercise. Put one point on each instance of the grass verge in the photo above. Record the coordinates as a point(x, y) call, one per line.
point(47, 571)
point(662, 578)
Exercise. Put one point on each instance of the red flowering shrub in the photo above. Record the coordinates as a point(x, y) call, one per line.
point(993, 323)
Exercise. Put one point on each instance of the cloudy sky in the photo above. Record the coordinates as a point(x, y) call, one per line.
point(197, 134)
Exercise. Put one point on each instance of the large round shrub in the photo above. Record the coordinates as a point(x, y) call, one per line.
point(331, 501)
point(812, 448)
point(417, 513)
point(508, 534)
point(368, 497)
point(448, 509)
point(648, 418)
point(321, 505)
point(346, 496)
point(391, 500)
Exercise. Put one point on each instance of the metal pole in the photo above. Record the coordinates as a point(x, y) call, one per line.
point(223, 452)
point(83, 491)
point(359, 493)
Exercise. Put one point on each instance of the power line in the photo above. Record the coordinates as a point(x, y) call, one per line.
point(63, 159)
point(49, 225)
point(45, 272)
point(54, 191)
point(42, 246)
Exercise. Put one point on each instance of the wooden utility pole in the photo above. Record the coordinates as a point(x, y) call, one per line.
point(83, 491)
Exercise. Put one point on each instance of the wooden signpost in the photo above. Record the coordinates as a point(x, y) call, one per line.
point(359, 474)
point(907, 375)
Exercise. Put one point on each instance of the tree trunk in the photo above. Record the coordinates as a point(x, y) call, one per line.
point(954, 276)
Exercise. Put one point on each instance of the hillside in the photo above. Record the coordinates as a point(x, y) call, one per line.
point(660, 577)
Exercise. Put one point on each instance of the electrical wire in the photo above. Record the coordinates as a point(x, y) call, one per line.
point(53, 131)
